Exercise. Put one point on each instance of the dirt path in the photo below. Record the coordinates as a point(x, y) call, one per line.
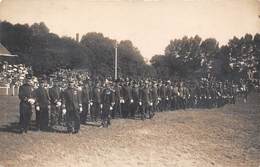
point(228, 137)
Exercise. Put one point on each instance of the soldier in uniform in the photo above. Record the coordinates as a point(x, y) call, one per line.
point(168, 95)
point(225, 93)
point(73, 105)
point(42, 105)
point(176, 96)
point(55, 101)
point(219, 94)
point(128, 100)
point(136, 98)
point(107, 101)
point(234, 92)
point(213, 95)
point(154, 97)
point(162, 93)
point(183, 95)
point(25, 95)
point(146, 101)
point(85, 96)
point(192, 95)
point(96, 108)
point(186, 95)
point(117, 95)
point(159, 87)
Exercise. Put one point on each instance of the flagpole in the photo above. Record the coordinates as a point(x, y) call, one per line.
point(116, 61)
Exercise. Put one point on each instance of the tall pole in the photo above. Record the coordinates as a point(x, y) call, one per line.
point(116, 61)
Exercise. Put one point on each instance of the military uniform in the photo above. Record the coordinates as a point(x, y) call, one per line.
point(136, 99)
point(72, 103)
point(85, 96)
point(182, 96)
point(127, 97)
point(108, 103)
point(162, 94)
point(55, 101)
point(25, 93)
point(95, 109)
point(154, 98)
point(42, 113)
point(146, 102)
point(169, 93)
point(176, 97)
point(117, 95)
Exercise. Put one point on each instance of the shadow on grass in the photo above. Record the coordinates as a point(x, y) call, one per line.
point(14, 127)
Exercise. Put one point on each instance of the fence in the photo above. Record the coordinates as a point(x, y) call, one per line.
point(9, 91)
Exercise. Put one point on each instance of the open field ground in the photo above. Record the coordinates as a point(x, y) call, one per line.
point(227, 136)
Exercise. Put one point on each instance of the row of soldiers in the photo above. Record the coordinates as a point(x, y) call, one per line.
point(84, 100)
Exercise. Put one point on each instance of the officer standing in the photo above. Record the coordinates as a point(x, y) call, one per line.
point(26, 101)
point(42, 105)
point(73, 107)
point(108, 103)
point(55, 101)
point(117, 95)
point(127, 96)
point(146, 101)
point(136, 98)
point(85, 96)
point(154, 97)
point(96, 108)
point(168, 95)
point(162, 93)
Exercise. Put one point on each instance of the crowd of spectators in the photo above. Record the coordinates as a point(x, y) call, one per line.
point(12, 74)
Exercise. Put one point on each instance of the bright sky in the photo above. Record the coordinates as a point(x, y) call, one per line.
point(149, 24)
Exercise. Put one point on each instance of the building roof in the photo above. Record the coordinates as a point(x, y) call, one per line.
point(5, 52)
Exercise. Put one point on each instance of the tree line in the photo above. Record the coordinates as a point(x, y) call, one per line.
point(193, 57)
point(188, 57)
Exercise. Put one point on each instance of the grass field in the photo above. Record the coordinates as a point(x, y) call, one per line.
point(227, 136)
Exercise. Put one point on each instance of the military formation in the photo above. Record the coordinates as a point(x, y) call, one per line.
point(73, 99)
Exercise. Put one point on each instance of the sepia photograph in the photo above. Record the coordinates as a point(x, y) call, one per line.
point(129, 83)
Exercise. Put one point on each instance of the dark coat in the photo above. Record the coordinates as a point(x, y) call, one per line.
point(54, 94)
point(97, 95)
point(85, 94)
point(25, 92)
point(42, 97)
point(71, 99)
